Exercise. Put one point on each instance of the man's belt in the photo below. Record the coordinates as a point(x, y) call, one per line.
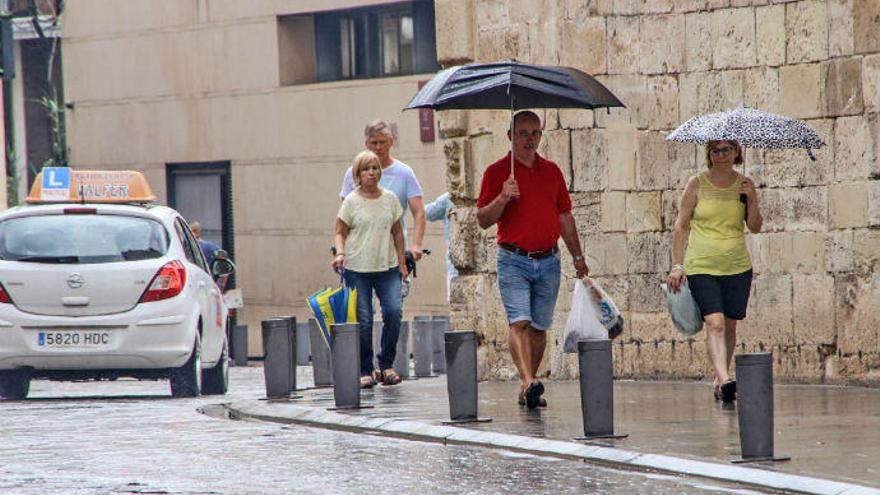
point(536, 255)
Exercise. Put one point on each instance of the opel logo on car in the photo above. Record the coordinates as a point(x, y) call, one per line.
point(75, 281)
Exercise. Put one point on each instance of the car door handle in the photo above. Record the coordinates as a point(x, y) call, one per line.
point(201, 284)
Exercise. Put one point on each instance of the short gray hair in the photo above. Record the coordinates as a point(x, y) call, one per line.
point(380, 126)
point(526, 115)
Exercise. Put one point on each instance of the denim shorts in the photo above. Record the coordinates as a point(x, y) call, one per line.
point(528, 287)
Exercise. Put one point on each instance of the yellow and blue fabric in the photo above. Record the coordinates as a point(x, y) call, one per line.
point(333, 305)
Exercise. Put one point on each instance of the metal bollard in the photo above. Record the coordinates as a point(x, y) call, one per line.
point(322, 367)
point(291, 334)
point(597, 389)
point(277, 361)
point(439, 326)
point(240, 345)
point(754, 384)
point(422, 353)
point(461, 380)
point(401, 358)
point(346, 366)
point(302, 344)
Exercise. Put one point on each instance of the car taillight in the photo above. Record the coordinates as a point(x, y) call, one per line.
point(4, 296)
point(169, 282)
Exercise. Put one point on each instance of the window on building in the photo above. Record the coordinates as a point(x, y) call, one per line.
point(396, 33)
point(347, 44)
point(380, 41)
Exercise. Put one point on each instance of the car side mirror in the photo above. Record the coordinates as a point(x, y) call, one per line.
point(222, 264)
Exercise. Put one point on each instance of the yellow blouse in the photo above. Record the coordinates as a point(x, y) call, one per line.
point(717, 242)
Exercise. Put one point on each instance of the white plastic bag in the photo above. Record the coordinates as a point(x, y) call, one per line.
point(683, 309)
point(583, 319)
point(609, 315)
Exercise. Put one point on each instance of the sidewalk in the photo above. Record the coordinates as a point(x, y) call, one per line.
point(831, 433)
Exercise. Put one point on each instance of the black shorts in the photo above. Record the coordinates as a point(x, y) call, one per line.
point(728, 294)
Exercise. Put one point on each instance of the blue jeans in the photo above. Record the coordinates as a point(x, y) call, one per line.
point(387, 287)
point(528, 287)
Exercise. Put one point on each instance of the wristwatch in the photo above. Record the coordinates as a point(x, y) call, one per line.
point(577, 258)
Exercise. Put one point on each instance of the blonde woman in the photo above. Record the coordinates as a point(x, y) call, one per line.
point(717, 265)
point(369, 247)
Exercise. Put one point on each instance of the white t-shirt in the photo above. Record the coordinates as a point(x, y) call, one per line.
point(369, 246)
point(398, 178)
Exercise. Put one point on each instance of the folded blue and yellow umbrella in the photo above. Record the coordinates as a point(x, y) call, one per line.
point(333, 305)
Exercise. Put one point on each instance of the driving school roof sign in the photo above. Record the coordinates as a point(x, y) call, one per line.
point(56, 184)
point(63, 184)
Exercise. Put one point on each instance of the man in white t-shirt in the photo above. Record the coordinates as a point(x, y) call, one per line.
point(397, 177)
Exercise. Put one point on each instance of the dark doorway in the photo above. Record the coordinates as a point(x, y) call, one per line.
point(203, 192)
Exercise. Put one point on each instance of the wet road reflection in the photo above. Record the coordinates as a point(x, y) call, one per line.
point(816, 425)
point(128, 437)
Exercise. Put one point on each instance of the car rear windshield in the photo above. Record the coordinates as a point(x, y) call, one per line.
point(81, 239)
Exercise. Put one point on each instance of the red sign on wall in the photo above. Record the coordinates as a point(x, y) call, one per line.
point(426, 121)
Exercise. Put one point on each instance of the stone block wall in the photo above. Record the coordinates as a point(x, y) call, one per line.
point(816, 292)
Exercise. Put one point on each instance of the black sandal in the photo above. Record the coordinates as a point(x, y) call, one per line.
point(390, 377)
point(728, 392)
point(533, 394)
point(542, 402)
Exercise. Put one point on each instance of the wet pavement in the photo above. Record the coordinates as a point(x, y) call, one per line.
point(130, 437)
point(829, 432)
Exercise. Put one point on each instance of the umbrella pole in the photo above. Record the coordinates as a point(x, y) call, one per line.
point(512, 97)
point(742, 197)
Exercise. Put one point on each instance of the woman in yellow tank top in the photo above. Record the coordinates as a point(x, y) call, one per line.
point(717, 266)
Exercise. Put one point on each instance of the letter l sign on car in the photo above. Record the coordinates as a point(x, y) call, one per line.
point(56, 183)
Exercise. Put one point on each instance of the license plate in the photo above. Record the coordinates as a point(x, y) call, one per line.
point(71, 339)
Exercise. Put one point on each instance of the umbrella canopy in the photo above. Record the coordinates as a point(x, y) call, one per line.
point(510, 86)
point(750, 128)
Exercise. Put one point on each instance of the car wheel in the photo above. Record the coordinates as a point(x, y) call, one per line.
point(215, 381)
point(186, 381)
point(14, 384)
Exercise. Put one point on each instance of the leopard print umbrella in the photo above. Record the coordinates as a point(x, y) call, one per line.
point(750, 128)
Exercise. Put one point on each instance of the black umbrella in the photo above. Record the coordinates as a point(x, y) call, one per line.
point(512, 85)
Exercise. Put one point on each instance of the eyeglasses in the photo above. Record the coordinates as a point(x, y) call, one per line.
point(722, 150)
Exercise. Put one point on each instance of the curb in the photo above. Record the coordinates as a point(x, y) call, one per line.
point(611, 456)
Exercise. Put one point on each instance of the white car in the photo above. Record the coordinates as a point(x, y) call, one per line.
point(106, 287)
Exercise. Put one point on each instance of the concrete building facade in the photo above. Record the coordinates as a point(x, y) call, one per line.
point(168, 86)
point(817, 285)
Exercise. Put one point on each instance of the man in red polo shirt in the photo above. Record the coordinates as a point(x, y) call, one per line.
point(532, 209)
